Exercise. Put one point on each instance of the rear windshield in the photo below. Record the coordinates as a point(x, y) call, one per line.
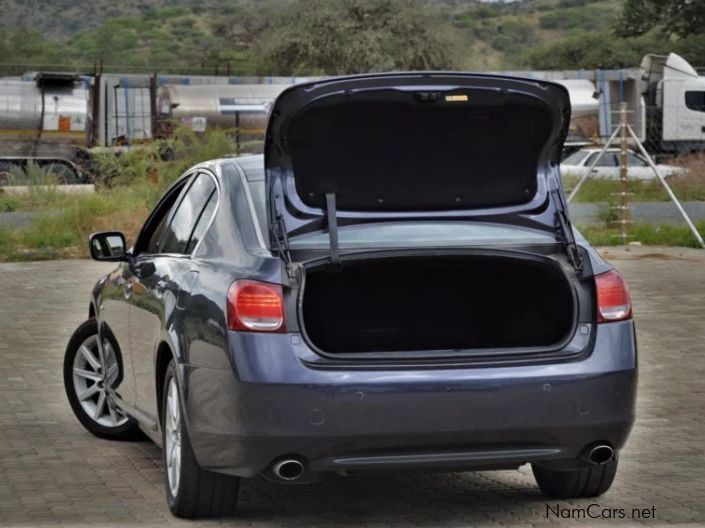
point(426, 234)
point(575, 158)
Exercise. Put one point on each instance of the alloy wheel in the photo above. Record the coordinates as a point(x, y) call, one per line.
point(172, 433)
point(95, 376)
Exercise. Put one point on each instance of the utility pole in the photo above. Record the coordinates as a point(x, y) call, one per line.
point(624, 174)
point(626, 131)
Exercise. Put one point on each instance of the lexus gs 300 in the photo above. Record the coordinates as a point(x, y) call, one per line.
point(386, 288)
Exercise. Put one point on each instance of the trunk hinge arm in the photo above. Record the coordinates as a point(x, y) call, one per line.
point(279, 237)
point(332, 228)
point(565, 231)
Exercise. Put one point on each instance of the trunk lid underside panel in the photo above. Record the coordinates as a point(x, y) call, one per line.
point(405, 146)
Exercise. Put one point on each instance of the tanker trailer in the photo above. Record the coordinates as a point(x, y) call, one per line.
point(239, 109)
point(46, 120)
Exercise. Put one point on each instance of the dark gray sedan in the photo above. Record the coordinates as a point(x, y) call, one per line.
point(395, 285)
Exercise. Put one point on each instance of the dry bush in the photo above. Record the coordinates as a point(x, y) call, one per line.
point(691, 185)
point(128, 222)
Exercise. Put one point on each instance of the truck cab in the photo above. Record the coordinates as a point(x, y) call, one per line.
point(675, 97)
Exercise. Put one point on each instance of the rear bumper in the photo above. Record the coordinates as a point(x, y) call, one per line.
point(274, 404)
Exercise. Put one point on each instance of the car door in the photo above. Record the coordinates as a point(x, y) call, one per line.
point(158, 277)
point(117, 308)
point(113, 320)
point(692, 114)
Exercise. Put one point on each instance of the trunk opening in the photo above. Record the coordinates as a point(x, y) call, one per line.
point(438, 302)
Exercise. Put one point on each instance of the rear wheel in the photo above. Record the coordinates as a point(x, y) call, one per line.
point(89, 378)
point(589, 481)
point(5, 173)
point(191, 491)
point(62, 172)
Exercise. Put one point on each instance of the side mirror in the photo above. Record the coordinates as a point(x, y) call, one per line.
point(108, 246)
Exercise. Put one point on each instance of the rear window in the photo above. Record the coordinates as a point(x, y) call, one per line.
point(189, 211)
point(426, 234)
point(608, 159)
point(575, 158)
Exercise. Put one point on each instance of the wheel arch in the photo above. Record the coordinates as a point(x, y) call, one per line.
point(164, 356)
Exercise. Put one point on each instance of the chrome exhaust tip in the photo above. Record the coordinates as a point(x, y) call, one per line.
point(288, 469)
point(598, 454)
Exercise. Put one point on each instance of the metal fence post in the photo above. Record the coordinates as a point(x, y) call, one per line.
point(624, 173)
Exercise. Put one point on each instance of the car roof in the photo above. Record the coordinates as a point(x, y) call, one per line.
point(252, 165)
point(598, 149)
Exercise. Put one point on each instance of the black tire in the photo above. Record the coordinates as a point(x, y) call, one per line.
point(589, 481)
point(124, 431)
point(6, 173)
point(63, 173)
point(199, 493)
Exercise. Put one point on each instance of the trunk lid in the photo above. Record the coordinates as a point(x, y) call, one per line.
point(416, 146)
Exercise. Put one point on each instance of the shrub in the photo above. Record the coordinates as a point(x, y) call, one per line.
point(9, 204)
point(691, 185)
point(594, 50)
point(129, 185)
point(583, 18)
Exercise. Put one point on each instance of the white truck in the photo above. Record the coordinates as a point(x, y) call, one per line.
point(675, 104)
point(665, 97)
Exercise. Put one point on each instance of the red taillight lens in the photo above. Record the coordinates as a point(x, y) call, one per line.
point(613, 303)
point(255, 307)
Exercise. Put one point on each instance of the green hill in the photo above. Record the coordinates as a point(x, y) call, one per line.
point(501, 36)
point(202, 35)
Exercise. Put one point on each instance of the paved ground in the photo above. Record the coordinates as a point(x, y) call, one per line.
point(52, 471)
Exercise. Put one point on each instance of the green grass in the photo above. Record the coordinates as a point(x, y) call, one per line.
point(595, 191)
point(686, 188)
point(62, 228)
point(131, 184)
point(63, 222)
point(9, 204)
point(5, 240)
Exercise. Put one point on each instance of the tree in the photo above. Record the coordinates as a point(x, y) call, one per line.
point(353, 36)
point(594, 50)
point(675, 17)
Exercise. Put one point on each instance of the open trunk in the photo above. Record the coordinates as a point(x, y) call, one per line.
point(437, 302)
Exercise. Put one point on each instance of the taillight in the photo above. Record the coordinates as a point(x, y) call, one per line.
point(613, 303)
point(256, 306)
